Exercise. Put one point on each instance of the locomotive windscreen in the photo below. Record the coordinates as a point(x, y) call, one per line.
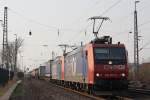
point(117, 55)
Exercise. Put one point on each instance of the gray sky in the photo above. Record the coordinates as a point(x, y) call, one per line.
point(45, 17)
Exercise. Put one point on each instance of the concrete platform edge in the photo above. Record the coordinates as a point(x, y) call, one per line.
point(7, 95)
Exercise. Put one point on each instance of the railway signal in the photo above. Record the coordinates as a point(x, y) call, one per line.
point(30, 33)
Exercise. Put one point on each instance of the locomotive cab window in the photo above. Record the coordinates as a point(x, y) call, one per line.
point(117, 53)
point(103, 55)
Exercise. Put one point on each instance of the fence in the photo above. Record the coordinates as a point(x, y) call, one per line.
point(5, 75)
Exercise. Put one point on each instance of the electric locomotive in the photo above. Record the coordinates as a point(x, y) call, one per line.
point(99, 65)
point(108, 65)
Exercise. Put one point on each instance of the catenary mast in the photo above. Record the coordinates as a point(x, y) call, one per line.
point(5, 39)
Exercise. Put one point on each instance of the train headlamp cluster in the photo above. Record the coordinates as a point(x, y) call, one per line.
point(110, 62)
point(97, 74)
point(123, 74)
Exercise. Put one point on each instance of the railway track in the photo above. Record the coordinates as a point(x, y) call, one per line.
point(112, 96)
point(140, 91)
point(103, 96)
point(130, 94)
point(81, 93)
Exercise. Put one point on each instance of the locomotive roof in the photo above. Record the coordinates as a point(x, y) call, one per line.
point(94, 45)
point(108, 45)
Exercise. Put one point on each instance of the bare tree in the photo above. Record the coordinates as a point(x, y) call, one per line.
point(13, 47)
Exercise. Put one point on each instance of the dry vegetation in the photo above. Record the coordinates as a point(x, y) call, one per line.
point(143, 76)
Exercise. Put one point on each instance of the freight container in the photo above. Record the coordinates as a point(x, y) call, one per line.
point(75, 66)
point(47, 68)
point(42, 71)
point(56, 69)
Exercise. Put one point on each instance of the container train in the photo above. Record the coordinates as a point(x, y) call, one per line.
point(42, 72)
point(98, 65)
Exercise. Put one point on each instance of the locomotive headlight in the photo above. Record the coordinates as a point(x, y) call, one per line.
point(97, 74)
point(110, 62)
point(123, 75)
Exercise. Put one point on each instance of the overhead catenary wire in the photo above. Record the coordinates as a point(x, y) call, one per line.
point(109, 8)
point(54, 27)
point(130, 30)
point(50, 27)
point(63, 29)
point(106, 11)
point(85, 29)
point(30, 20)
point(144, 46)
point(88, 10)
point(125, 17)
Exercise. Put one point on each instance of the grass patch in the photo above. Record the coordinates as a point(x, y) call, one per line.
point(1, 93)
point(18, 92)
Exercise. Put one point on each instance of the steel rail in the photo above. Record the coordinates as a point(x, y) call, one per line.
point(80, 93)
point(141, 91)
point(95, 97)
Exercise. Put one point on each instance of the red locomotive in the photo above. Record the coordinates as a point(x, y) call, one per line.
point(99, 65)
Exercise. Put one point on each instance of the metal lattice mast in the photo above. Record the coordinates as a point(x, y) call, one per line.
point(5, 39)
point(136, 46)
